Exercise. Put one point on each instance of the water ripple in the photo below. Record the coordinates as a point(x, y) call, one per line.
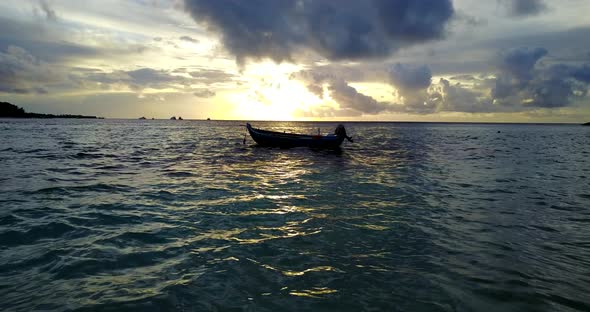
point(162, 215)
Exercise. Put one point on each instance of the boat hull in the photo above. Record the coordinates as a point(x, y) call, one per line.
point(288, 140)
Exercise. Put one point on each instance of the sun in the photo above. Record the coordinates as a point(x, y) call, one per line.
point(273, 95)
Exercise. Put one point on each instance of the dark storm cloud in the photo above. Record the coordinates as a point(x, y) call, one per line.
point(550, 93)
point(524, 7)
point(580, 73)
point(410, 77)
point(345, 29)
point(522, 82)
point(520, 62)
point(515, 71)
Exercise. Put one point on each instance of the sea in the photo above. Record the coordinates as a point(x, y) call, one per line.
point(161, 215)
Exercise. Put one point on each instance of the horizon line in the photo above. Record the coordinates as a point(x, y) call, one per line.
point(324, 121)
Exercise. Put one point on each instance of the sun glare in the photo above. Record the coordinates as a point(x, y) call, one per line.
point(273, 95)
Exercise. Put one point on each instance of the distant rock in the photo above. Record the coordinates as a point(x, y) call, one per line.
point(142, 118)
point(586, 124)
point(173, 118)
point(180, 118)
point(208, 118)
point(8, 110)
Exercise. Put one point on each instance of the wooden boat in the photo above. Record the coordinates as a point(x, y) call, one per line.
point(287, 140)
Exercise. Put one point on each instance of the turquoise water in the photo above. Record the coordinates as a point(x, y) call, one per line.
point(163, 215)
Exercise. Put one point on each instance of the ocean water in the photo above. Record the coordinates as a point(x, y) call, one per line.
point(132, 215)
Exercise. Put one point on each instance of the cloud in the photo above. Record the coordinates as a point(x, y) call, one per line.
point(205, 93)
point(522, 84)
point(316, 89)
point(519, 8)
point(515, 71)
point(412, 82)
point(47, 43)
point(458, 98)
point(580, 73)
point(337, 30)
point(146, 77)
point(410, 77)
point(189, 39)
point(350, 99)
point(550, 93)
point(209, 76)
point(59, 43)
point(136, 80)
point(157, 79)
point(468, 20)
point(519, 83)
point(48, 11)
point(22, 73)
point(520, 62)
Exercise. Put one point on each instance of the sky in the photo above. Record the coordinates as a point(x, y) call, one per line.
point(371, 60)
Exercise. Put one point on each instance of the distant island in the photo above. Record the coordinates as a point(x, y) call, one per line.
point(8, 110)
point(586, 124)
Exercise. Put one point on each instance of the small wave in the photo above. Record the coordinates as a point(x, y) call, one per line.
point(98, 188)
point(84, 155)
point(180, 174)
point(35, 260)
point(43, 231)
point(68, 144)
point(8, 220)
point(136, 239)
point(399, 220)
point(98, 219)
point(545, 228)
point(111, 167)
point(33, 151)
point(109, 261)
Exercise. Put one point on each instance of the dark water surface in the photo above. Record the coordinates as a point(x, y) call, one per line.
point(162, 215)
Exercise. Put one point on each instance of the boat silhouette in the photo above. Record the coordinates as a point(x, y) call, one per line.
point(287, 140)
